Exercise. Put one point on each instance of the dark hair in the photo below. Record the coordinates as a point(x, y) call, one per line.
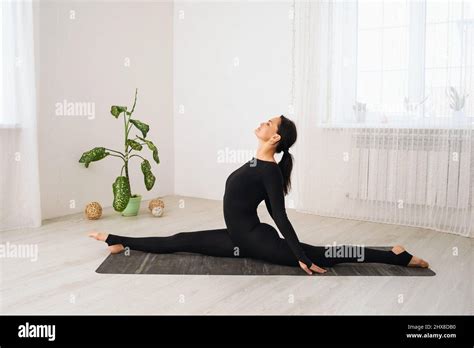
point(287, 131)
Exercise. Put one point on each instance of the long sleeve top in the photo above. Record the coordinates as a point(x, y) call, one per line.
point(249, 185)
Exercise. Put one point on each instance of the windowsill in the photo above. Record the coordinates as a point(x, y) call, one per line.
point(10, 126)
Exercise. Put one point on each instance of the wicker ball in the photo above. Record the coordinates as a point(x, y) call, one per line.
point(93, 211)
point(156, 203)
point(157, 211)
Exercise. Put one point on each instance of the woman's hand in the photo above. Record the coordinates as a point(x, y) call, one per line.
point(312, 268)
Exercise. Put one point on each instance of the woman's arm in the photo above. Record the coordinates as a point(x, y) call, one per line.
point(269, 207)
point(273, 182)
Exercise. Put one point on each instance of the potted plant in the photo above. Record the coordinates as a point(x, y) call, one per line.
point(456, 103)
point(360, 110)
point(124, 201)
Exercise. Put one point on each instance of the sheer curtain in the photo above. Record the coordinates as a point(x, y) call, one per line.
point(383, 96)
point(19, 178)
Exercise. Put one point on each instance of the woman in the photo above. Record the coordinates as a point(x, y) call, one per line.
point(261, 178)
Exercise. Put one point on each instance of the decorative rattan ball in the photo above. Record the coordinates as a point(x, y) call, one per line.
point(156, 203)
point(93, 211)
point(157, 211)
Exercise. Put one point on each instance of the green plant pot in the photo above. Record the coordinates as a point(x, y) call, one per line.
point(133, 206)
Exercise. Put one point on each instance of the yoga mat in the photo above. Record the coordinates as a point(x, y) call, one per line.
point(138, 262)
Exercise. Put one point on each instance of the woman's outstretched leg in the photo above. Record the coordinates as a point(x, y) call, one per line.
point(331, 255)
point(264, 243)
point(208, 242)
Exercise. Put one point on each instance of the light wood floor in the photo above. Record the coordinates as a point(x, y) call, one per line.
point(63, 279)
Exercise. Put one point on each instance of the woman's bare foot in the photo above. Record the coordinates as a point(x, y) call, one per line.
point(114, 249)
point(99, 236)
point(414, 262)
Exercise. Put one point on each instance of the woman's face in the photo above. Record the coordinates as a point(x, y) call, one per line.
point(268, 129)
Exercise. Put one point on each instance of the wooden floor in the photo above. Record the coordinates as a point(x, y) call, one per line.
point(63, 279)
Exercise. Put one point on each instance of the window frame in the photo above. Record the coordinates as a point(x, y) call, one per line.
point(415, 83)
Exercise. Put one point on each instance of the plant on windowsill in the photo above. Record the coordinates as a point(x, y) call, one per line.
point(411, 107)
point(456, 103)
point(124, 201)
point(360, 111)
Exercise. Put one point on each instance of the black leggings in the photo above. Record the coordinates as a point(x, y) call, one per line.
point(263, 243)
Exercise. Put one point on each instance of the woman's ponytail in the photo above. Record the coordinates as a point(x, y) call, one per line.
point(287, 131)
point(286, 166)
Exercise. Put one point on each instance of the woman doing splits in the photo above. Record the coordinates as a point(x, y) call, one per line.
point(261, 178)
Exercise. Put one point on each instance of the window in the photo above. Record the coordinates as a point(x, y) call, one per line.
point(414, 64)
point(8, 118)
point(448, 56)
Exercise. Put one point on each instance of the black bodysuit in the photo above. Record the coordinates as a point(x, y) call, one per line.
point(246, 236)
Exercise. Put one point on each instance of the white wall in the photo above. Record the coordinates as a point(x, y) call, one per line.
point(174, 61)
point(224, 103)
point(83, 60)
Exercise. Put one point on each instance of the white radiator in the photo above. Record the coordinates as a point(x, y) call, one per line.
point(412, 166)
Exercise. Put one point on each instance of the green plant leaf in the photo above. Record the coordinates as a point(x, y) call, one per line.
point(134, 145)
point(129, 113)
point(143, 127)
point(117, 110)
point(148, 175)
point(96, 154)
point(121, 190)
point(153, 148)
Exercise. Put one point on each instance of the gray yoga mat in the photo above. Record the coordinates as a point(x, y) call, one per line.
point(138, 262)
